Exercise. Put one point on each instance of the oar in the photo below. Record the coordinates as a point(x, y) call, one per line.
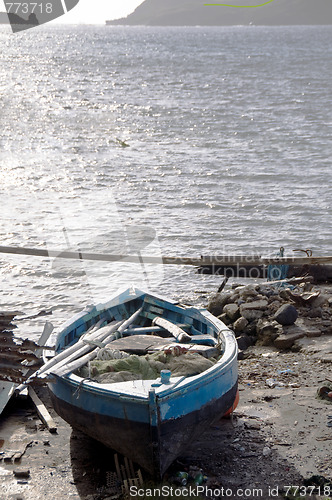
point(65, 367)
point(88, 344)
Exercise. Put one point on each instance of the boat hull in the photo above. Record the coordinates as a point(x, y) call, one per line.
point(154, 448)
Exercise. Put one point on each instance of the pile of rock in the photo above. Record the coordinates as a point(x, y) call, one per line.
point(265, 314)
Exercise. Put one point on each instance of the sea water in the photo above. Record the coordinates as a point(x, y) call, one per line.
point(180, 141)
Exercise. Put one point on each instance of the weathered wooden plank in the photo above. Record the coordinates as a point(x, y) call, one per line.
point(42, 411)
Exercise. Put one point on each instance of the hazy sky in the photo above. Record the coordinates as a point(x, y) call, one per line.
point(95, 11)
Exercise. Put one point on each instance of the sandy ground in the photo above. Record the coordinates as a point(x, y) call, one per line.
point(278, 436)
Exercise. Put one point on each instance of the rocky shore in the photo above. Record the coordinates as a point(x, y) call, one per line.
point(271, 314)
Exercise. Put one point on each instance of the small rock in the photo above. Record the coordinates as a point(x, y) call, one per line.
point(232, 311)
point(315, 312)
point(266, 451)
point(217, 302)
point(240, 355)
point(251, 328)
point(251, 314)
point(313, 332)
point(256, 304)
point(252, 425)
point(267, 332)
point(233, 298)
point(273, 307)
point(244, 341)
point(247, 291)
point(286, 315)
point(21, 473)
point(320, 301)
point(225, 319)
point(290, 335)
point(240, 324)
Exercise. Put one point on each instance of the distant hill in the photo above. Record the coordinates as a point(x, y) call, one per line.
point(195, 13)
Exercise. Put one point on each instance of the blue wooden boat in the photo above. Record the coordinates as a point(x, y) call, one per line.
point(150, 421)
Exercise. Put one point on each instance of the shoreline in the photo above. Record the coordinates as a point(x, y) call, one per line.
point(278, 436)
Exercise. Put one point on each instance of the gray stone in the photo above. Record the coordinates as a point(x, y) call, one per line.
point(225, 319)
point(313, 332)
point(251, 328)
point(267, 332)
point(247, 291)
point(240, 324)
point(232, 311)
point(273, 307)
point(320, 301)
point(21, 473)
point(217, 302)
point(286, 315)
point(251, 314)
point(260, 297)
point(289, 336)
point(233, 298)
point(256, 304)
point(243, 342)
point(240, 355)
point(268, 291)
point(315, 312)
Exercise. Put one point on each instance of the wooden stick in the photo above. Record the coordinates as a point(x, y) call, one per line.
point(178, 333)
point(303, 279)
point(213, 260)
point(42, 411)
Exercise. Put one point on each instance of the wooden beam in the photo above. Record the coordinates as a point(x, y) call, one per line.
point(212, 260)
point(42, 411)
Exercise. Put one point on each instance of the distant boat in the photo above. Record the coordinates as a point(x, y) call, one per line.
point(150, 421)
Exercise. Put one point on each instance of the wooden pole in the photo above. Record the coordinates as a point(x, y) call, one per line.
point(212, 260)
